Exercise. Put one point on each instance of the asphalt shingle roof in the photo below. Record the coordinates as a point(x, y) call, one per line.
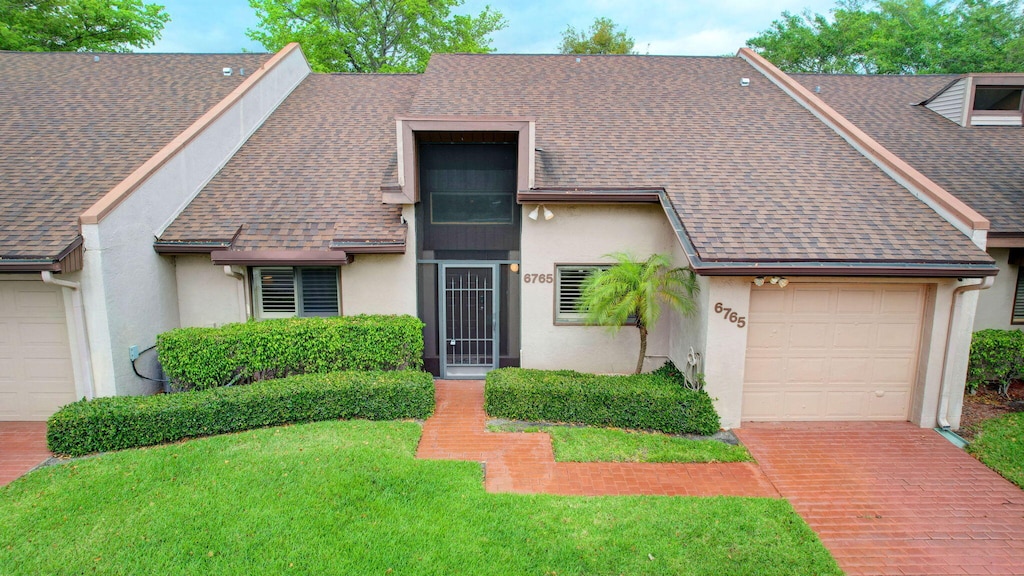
point(751, 173)
point(981, 165)
point(311, 174)
point(73, 127)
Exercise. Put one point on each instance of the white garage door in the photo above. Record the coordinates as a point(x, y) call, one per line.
point(36, 375)
point(832, 352)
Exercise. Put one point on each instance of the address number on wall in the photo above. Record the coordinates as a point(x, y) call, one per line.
point(539, 278)
point(730, 315)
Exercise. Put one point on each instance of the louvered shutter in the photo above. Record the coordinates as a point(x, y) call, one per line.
point(1018, 300)
point(276, 292)
point(568, 290)
point(319, 288)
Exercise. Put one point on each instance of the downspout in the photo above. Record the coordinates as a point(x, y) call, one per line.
point(985, 284)
point(242, 292)
point(81, 337)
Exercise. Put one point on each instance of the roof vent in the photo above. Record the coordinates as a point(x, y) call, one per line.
point(744, 81)
point(577, 60)
point(241, 71)
point(227, 71)
point(95, 58)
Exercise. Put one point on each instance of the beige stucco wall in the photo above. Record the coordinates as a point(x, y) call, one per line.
point(995, 304)
point(725, 348)
point(130, 291)
point(206, 295)
point(583, 234)
point(382, 283)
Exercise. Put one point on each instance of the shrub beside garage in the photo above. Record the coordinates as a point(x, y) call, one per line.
point(116, 423)
point(642, 402)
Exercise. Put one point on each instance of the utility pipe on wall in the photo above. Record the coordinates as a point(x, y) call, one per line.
point(84, 368)
point(242, 292)
point(944, 385)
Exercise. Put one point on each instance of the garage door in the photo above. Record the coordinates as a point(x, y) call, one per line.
point(36, 374)
point(832, 352)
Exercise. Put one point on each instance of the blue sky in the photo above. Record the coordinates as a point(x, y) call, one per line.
point(685, 27)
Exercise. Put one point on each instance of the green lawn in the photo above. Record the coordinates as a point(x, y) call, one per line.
point(586, 444)
point(999, 443)
point(350, 498)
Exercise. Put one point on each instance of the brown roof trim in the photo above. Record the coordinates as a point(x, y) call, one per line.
point(369, 247)
point(466, 118)
point(590, 195)
point(122, 190)
point(818, 268)
point(1005, 241)
point(70, 259)
point(279, 257)
point(869, 146)
point(944, 88)
point(189, 247)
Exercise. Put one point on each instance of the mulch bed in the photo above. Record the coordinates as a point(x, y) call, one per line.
point(989, 403)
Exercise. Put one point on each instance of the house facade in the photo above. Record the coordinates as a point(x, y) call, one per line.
point(838, 280)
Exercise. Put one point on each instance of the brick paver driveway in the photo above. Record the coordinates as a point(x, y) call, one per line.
point(22, 448)
point(892, 498)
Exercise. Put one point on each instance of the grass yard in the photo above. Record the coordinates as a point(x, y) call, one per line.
point(586, 444)
point(999, 444)
point(350, 498)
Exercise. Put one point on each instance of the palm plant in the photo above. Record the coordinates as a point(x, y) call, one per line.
point(632, 291)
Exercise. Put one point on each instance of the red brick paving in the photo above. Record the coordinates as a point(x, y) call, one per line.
point(22, 448)
point(525, 463)
point(892, 498)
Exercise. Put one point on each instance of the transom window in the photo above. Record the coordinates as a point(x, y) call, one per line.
point(284, 291)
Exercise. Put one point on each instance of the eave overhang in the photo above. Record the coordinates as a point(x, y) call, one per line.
point(279, 257)
point(71, 259)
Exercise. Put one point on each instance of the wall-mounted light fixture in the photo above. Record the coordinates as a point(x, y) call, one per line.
point(776, 280)
point(535, 213)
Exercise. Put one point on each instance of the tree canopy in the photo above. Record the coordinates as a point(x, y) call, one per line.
point(601, 38)
point(372, 35)
point(79, 25)
point(899, 37)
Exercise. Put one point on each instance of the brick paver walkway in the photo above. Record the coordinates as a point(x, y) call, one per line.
point(525, 463)
point(22, 448)
point(892, 498)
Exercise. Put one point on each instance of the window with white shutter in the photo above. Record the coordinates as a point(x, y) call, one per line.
point(284, 292)
point(568, 290)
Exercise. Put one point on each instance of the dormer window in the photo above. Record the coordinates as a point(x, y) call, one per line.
point(997, 99)
point(981, 100)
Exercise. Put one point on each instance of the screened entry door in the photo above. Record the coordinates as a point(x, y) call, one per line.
point(469, 326)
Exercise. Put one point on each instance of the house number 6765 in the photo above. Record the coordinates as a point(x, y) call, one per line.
point(730, 315)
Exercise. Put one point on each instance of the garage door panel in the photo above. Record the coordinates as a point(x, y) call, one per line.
point(854, 335)
point(811, 336)
point(809, 300)
point(855, 301)
point(767, 335)
point(832, 352)
point(36, 374)
point(764, 369)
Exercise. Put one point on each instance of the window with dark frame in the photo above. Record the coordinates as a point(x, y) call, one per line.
point(1017, 317)
point(285, 291)
point(997, 98)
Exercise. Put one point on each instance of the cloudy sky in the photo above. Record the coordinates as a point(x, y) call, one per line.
point(685, 27)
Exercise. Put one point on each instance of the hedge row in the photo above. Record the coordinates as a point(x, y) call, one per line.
point(115, 423)
point(643, 402)
point(200, 358)
point(996, 356)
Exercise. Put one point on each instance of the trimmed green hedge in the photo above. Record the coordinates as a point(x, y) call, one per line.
point(642, 402)
point(996, 356)
point(200, 358)
point(119, 422)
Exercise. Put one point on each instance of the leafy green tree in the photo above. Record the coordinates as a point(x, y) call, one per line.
point(899, 37)
point(633, 291)
point(372, 35)
point(79, 25)
point(601, 38)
